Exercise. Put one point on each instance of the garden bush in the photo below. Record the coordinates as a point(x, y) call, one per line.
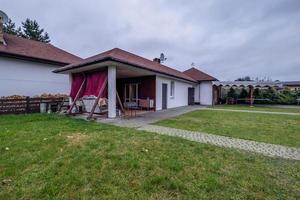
point(271, 95)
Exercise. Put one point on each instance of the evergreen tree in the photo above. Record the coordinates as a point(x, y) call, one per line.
point(10, 28)
point(32, 30)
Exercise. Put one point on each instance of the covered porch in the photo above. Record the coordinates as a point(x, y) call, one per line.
point(111, 89)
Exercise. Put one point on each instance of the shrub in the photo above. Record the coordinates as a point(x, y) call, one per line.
point(273, 96)
point(232, 93)
point(286, 97)
point(257, 93)
point(243, 94)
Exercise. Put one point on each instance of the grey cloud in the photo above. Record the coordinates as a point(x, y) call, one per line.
point(227, 38)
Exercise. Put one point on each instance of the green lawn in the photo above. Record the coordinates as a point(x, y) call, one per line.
point(259, 108)
point(275, 129)
point(54, 157)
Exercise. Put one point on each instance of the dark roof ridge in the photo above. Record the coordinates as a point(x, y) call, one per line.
point(24, 38)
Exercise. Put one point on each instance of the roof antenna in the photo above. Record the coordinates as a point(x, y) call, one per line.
point(162, 58)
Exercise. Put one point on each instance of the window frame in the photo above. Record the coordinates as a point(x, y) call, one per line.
point(129, 90)
point(172, 89)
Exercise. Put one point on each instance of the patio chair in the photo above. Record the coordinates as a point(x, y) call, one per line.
point(132, 106)
point(146, 104)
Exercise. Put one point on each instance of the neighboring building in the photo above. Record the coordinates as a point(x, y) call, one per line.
point(292, 85)
point(26, 67)
point(135, 78)
point(204, 89)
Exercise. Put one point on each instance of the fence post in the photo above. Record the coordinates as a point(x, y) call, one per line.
point(27, 104)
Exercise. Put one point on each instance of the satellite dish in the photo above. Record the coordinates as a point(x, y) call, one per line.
point(4, 16)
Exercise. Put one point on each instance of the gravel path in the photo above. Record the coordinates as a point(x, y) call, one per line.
point(266, 149)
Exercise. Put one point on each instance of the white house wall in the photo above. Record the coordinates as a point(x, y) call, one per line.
point(20, 77)
point(180, 95)
point(206, 93)
point(197, 93)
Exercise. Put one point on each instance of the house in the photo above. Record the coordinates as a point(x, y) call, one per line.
point(26, 66)
point(292, 85)
point(131, 78)
point(204, 88)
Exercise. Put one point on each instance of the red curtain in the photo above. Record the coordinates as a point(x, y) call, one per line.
point(94, 82)
point(77, 80)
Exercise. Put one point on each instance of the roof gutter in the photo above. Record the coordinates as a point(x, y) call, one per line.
point(34, 59)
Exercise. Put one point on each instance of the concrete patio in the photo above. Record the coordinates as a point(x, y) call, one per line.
point(150, 117)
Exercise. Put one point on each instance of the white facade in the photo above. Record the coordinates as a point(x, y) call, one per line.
point(197, 94)
point(20, 77)
point(180, 97)
point(206, 93)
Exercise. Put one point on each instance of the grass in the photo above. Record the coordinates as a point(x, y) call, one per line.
point(259, 108)
point(54, 157)
point(275, 129)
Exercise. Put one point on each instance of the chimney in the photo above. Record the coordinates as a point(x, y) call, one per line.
point(1, 30)
point(156, 60)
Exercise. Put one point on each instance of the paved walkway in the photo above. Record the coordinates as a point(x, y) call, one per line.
point(277, 106)
point(271, 150)
point(143, 121)
point(253, 111)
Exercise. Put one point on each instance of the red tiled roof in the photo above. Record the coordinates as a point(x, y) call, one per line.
point(34, 50)
point(198, 75)
point(119, 55)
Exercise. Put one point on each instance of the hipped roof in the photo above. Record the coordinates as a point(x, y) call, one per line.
point(119, 55)
point(198, 75)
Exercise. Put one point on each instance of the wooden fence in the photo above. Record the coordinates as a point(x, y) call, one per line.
point(28, 105)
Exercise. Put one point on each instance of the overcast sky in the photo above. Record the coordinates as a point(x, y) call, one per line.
point(225, 38)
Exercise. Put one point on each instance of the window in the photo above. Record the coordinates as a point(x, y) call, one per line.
point(131, 92)
point(172, 90)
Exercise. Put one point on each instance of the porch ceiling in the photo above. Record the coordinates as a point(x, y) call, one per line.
point(130, 72)
point(123, 70)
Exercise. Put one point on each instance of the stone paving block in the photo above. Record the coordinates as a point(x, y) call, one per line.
point(271, 150)
point(142, 123)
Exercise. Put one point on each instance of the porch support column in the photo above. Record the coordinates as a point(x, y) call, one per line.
point(70, 84)
point(112, 91)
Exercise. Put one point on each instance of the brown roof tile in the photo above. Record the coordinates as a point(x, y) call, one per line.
point(120, 55)
point(26, 48)
point(198, 75)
